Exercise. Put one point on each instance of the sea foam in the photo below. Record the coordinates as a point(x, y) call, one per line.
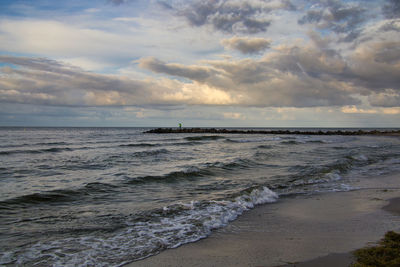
point(170, 227)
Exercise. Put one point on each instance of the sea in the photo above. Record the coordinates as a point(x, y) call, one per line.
point(110, 196)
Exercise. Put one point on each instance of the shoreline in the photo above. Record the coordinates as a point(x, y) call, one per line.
point(303, 230)
point(274, 132)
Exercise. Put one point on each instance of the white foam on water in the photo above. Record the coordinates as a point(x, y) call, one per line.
point(328, 177)
point(337, 188)
point(173, 226)
point(333, 176)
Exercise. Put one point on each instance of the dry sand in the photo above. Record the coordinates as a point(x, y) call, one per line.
point(307, 229)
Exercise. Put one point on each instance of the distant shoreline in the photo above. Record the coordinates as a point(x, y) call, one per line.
point(275, 132)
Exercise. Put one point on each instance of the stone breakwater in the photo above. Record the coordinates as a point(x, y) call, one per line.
point(233, 131)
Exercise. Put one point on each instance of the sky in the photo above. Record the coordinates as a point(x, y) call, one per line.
point(215, 63)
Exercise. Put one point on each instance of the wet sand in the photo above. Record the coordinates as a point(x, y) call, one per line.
point(317, 230)
point(393, 206)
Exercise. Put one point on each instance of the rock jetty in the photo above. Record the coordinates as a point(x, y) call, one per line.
point(276, 132)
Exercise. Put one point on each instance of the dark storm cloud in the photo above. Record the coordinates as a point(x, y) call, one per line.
point(391, 9)
point(230, 16)
point(337, 16)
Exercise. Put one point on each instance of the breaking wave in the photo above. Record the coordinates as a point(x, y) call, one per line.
point(145, 234)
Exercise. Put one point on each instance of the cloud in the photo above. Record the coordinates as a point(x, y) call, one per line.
point(191, 72)
point(389, 98)
point(391, 25)
point(380, 110)
point(388, 52)
point(93, 43)
point(49, 82)
point(345, 18)
point(264, 83)
point(41, 64)
point(375, 65)
point(299, 74)
point(371, 67)
point(391, 9)
point(354, 109)
point(247, 45)
point(118, 2)
point(57, 38)
point(233, 115)
point(391, 111)
point(230, 16)
point(236, 83)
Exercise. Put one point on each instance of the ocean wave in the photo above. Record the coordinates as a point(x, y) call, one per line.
point(304, 140)
point(37, 151)
point(139, 145)
point(55, 196)
point(323, 178)
point(292, 142)
point(191, 143)
point(359, 157)
point(192, 172)
point(171, 177)
point(61, 143)
point(148, 153)
point(317, 141)
point(354, 160)
point(238, 163)
point(116, 216)
point(204, 138)
point(34, 144)
point(253, 140)
point(144, 235)
point(59, 196)
point(265, 146)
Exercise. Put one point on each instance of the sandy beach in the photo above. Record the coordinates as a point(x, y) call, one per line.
point(302, 230)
